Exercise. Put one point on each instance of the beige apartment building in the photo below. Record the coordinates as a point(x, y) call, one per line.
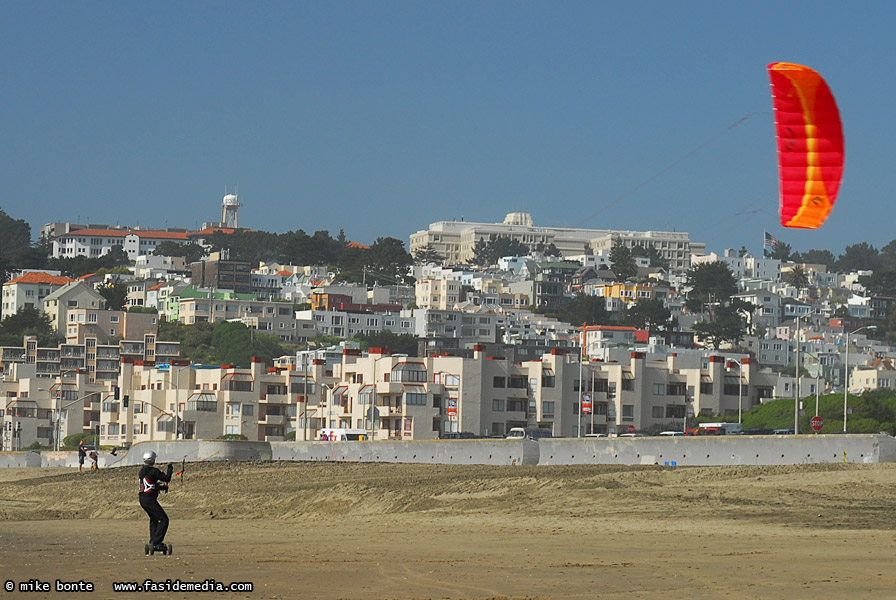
point(456, 240)
point(76, 294)
point(441, 294)
point(412, 398)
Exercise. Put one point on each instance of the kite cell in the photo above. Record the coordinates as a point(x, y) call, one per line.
point(810, 144)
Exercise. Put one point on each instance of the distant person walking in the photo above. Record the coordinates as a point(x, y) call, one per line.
point(152, 481)
point(82, 454)
point(94, 459)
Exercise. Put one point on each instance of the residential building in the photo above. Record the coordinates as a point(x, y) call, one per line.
point(29, 289)
point(440, 294)
point(222, 274)
point(94, 243)
point(71, 296)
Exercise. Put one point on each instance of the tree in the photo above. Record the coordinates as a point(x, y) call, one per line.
point(797, 277)
point(726, 325)
point(15, 236)
point(389, 260)
point(427, 255)
point(623, 261)
point(115, 293)
point(28, 321)
point(236, 344)
point(858, 257)
point(709, 282)
point(817, 257)
point(191, 252)
point(781, 251)
point(582, 309)
point(486, 253)
point(648, 313)
point(653, 255)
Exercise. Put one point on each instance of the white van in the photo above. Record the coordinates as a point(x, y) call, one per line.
point(342, 435)
point(530, 433)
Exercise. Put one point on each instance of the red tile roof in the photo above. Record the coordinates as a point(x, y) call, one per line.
point(211, 230)
point(285, 273)
point(357, 245)
point(36, 277)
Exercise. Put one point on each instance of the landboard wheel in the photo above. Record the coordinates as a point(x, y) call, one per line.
point(164, 550)
point(170, 550)
point(146, 549)
point(152, 550)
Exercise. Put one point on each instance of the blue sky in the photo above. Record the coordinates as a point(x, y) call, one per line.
point(382, 117)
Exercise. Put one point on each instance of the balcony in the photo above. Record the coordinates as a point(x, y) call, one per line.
point(274, 420)
point(275, 399)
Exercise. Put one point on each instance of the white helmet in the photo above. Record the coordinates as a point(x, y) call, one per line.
point(149, 458)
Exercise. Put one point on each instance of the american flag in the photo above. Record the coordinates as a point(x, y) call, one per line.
point(771, 241)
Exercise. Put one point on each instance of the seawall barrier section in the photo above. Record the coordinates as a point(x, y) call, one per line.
point(673, 451)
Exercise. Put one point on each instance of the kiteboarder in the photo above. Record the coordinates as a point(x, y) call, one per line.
point(152, 481)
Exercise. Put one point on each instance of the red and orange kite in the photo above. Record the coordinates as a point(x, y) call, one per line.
point(810, 144)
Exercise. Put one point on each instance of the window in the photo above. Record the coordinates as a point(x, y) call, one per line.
point(248, 410)
point(516, 405)
point(203, 402)
point(628, 412)
point(517, 382)
point(658, 412)
point(498, 382)
point(498, 405)
point(415, 395)
point(365, 396)
point(409, 373)
point(659, 389)
point(547, 409)
point(676, 389)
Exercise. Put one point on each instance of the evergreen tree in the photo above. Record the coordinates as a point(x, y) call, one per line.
point(623, 262)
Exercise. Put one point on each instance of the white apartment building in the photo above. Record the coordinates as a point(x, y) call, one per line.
point(94, 243)
point(30, 289)
point(347, 324)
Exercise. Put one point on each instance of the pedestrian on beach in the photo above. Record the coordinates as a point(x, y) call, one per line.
point(82, 454)
point(152, 481)
point(94, 459)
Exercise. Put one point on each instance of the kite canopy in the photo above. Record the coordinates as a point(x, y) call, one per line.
point(810, 144)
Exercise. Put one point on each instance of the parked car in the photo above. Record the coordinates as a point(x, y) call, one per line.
point(528, 433)
point(672, 433)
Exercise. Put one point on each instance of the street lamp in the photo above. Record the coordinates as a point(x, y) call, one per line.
point(846, 371)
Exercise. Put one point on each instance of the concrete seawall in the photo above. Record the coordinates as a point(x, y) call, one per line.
point(722, 450)
point(679, 451)
point(463, 452)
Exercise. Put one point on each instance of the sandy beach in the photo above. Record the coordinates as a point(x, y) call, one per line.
point(346, 531)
